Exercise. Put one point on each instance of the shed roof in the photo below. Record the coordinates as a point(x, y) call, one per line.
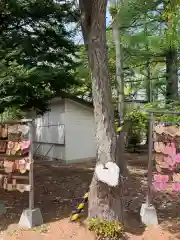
point(64, 95)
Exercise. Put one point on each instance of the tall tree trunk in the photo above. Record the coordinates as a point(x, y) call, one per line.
point(171, 76)
point(104, 201)
point(148, 92)
point(148, 82)
point(148, 85)
point(171, 57)
point(120, 147)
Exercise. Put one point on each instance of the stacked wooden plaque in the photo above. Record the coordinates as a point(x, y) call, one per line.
point(14, 157)
point(167, 158)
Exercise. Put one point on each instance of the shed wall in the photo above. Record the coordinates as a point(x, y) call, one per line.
point(80, 132)
point(49, 132)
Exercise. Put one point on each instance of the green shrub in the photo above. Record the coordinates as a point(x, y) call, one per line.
point(137, 119)
point(11, 113)
point(105, 230)
point(173, 106)
point(138, 127)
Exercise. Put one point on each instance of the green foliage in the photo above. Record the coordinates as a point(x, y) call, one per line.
point(148, 30)
point(11, 113)
point(106, 230)
point(83, 76)
point(138, 118)
point(163, 117)
point(132, 11)
point(113, 11)
point(37, 56)
point(138, 126)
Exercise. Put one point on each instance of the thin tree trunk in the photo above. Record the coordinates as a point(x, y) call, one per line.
point(148, 85)
point(120, 144)
point(171, 76)
point(104, 201)
point(148, 93)
point(171, 59)
point(120, 147)
point(149, 89)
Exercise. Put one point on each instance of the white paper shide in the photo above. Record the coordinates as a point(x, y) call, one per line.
point(108, 173)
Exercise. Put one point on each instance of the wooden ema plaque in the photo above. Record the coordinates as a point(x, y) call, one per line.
point(14, 157)
point(167, 158)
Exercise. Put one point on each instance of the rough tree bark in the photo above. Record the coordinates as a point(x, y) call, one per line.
point(171, 58)
point(149, 89)
point(104, 201)
point(171, 76)
point(120, 146)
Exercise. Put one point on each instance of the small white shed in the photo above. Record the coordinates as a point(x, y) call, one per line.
point(66, 132)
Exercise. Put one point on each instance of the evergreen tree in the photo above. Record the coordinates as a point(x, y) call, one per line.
point(154, 24)
point(37, 52)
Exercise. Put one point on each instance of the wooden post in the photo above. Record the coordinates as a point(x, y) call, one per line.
point(31, 174)
point(150, 162)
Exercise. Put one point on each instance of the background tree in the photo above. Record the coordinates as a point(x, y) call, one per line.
point(37, 52)
point(148, 31)
point(154, 24)
point(83, 76)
